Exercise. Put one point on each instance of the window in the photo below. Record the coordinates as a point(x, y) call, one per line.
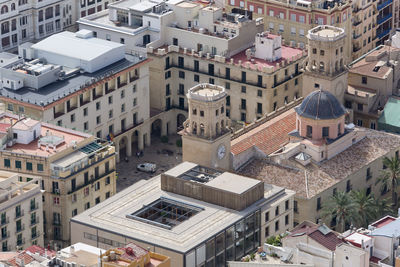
point(369, 175)
point(110, 113)
point(196, 78)
point(293, 30)
point(259, 108)
point(107, 182)
point(267, 231)
point(182, 74)
point(7, 163)
point(319, 206)
point(243, 89)
point(98, 119)
point(295, 208)
point(364, 80)
point(86, 126)
point(309, 131)
point(348, 186)
point(286, 204)
point(98, 105)
point(87, 205)
point(174, 41)
point(108, 195)
point(227, 85)
point(360, 107)
point(228, 100)
point(201, 113)
point(325, 131)
point(259, 93)
point(74, 212)
point(277, 211)
point(360, 123)
point(286, 219)
point(40, 167)
point(97, 200)
point(322, 52)
point(123, 108)
point(29, 166)
point(85, 111)
point(18, 164)
point(97, 186)
point(293, 17)
point(243, 104)
point(276, 226)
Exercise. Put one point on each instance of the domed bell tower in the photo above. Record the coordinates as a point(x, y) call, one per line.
point(325, 66)
point(206, 138)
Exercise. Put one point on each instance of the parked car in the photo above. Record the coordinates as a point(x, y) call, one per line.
point(147, 167)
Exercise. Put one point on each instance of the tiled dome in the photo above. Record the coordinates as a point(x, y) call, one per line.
point(321, 105)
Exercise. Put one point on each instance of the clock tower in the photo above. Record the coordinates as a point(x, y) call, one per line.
point(206, 138)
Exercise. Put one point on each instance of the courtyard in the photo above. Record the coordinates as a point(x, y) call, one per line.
point(164, 155)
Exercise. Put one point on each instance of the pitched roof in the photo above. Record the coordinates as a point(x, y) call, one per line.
point(319, 233)
point(268, 137)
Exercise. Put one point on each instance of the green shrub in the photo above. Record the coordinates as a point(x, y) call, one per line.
point(164, 139)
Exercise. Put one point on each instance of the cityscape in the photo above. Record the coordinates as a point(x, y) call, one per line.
point(199, 133)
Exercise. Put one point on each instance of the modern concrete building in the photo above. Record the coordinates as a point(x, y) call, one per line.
point(293, 19)
point(25, 21)
point(311, 150)
point(192, 214)
point(21, 211)
point(85, 83)
point(77, 170)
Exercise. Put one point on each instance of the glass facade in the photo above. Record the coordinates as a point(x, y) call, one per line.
point(236, 241)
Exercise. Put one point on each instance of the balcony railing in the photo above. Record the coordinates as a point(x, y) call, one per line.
point(356, 36)
point(355, 48)
point(20, 229)
point(355, 23)
point(5, 221)
point(34, 207)
point(383, 4)
point(381, 20)
point(35, 221)
point(383, 33)
point(19, 214)
point(20, 242)
point(35, 234)
point(5, 235)
point(91, 181)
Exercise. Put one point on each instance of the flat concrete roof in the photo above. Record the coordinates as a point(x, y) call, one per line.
point(62, 88)
point(233, 182)
point(110, 216)
point(70, 45)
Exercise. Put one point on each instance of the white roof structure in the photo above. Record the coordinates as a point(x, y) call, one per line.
point(79, 49)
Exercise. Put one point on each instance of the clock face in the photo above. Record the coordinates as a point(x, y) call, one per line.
point(221, 151)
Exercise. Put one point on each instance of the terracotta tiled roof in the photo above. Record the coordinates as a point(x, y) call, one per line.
point(267, 137)
point(328, 240)
point(313, 179)
point(24, 255)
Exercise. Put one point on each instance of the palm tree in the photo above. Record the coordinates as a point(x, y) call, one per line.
point(365, 207)
point(383, 207)
point(342, 207)
point(390, 178)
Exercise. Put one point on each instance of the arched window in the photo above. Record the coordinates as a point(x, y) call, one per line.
point(12, 6)
point(309, 131)
point(201, 129)
point(4, 9)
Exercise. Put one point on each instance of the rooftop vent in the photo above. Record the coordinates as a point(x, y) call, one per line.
point(303, 158)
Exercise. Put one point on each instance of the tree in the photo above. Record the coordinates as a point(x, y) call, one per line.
point(390, 178)
point(366, 207)
point(383, 207)
point(340, 207)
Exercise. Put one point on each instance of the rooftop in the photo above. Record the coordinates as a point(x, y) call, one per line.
point(319, 233)
point(307, 181)
point(111, 215)
point(383, 221)
point(374, 63)
point(67, 44)
point(288, 54)
point(326, 33)
point(15, 258)
point(269, 136)
point(391, 229)
point(55, 92)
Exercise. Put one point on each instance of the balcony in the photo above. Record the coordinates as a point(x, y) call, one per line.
point(5, 235)
point(356, 36)
point(91, 181)
point(383, 4)
point(4, 221)
point(356, 23)
point(383, 33)
point(382, 19)
point(35, 235)
point(35, 220)
point(20, 229)
point(34, 206)
point(20, 242)
point(19, 214)
point(356, 49)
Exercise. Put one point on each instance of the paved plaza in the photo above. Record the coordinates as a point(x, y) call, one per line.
point(165, 155)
